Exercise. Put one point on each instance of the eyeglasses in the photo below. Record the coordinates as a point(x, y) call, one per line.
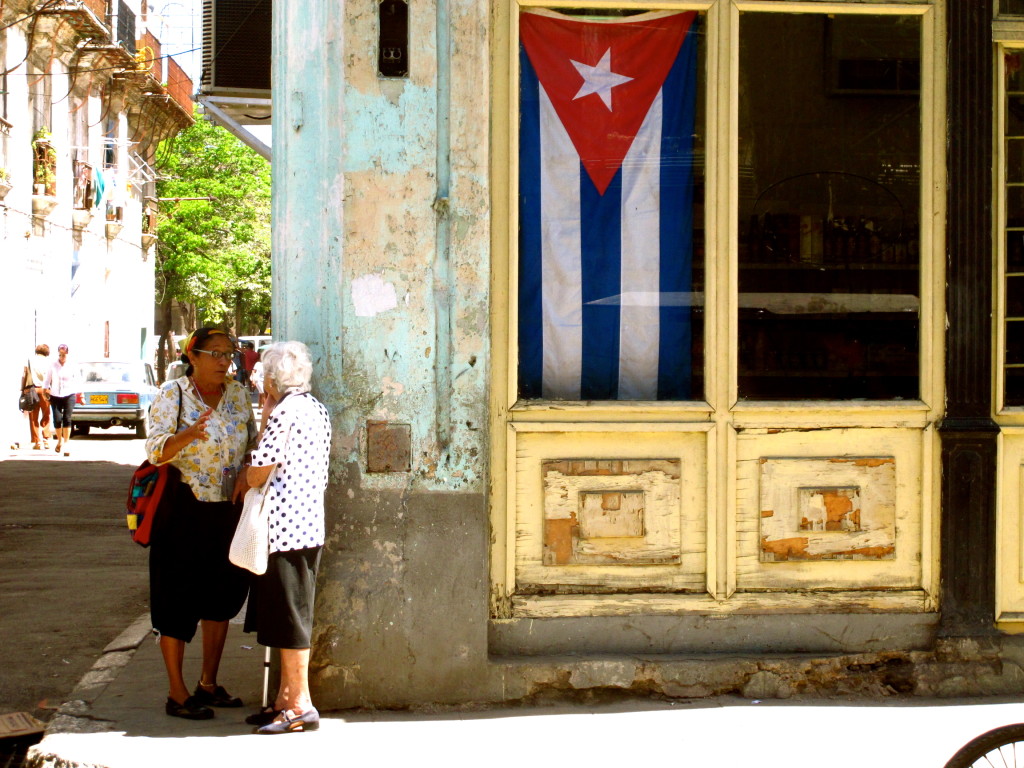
point(216, 354)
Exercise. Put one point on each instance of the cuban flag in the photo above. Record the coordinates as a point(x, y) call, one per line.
point(606, 206)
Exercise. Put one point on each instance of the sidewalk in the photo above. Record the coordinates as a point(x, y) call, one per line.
point(115, 719)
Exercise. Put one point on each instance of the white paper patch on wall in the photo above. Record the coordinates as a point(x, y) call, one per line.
point(371, 295)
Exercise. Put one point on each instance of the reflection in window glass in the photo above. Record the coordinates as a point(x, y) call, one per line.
point(611, 205)
point(828, 212)
point(1013, 157)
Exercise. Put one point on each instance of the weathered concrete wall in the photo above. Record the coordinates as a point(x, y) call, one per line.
point(381, 266)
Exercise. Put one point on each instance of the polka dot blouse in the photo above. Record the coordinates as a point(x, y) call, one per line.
point(298, 440)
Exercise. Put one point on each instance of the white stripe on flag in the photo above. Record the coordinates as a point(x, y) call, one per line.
point(639, 326)
point(561, 249)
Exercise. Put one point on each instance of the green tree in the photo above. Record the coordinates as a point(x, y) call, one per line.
point(213, 256)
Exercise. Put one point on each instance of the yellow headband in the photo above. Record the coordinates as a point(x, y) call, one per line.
point(190, 342)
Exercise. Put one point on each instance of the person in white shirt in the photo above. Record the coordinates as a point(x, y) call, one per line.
point(61, 386)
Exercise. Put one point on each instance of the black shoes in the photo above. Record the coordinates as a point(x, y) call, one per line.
point(192, 709)
point(218, 698)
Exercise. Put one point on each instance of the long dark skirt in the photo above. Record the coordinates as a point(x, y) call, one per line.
point(280, 609)
point(190, 577)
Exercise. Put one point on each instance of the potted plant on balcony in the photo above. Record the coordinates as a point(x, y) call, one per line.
point(44, 163)
point(5, 182)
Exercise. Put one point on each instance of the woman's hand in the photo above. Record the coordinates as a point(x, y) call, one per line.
point(187, 436)
point(198, 430)
point(241, 485)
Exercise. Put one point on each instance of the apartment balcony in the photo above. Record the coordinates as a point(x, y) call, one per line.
point(85, 19)
point(179, 86)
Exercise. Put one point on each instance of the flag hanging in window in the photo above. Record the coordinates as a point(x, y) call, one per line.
point(606, 206)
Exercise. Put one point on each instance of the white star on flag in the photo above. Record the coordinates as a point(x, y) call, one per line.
point(599, 79)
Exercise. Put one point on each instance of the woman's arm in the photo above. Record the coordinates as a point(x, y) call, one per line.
point(268, 408)
point(257, 476)
point(268, 453)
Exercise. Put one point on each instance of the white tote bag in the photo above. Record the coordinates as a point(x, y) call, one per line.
point(250, 546)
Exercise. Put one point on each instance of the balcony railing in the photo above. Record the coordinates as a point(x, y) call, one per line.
point(179, 86)
point(148, 56)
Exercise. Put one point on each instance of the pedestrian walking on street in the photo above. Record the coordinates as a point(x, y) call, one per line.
point(203, 424)
point(294, 453)
point(39, 417)
point(257, 381)
point(249, 359)
point(62, 384)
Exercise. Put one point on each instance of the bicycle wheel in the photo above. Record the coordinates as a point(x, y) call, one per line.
point(1001, 747)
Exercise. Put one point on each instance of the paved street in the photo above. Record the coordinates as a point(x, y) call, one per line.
point(70, 577)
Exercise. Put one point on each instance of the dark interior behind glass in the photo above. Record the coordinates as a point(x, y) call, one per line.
point(829, 233)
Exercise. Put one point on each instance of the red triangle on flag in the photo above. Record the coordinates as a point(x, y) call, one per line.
point(602, 77)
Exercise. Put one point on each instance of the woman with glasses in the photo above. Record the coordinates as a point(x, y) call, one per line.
point(203, 424)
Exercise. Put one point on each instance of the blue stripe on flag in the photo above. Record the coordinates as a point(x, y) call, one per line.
point(531, 337)
point(675, 353)
point(601, 230)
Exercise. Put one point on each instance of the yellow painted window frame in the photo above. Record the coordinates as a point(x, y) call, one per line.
point(722, 407)
point(1007, 36)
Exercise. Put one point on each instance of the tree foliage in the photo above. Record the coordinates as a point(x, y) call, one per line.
point(214, 255)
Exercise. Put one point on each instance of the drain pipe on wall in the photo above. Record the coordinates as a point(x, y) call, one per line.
point(443, 286)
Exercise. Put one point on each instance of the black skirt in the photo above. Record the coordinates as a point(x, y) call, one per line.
point(190, 577)
point(280, 609)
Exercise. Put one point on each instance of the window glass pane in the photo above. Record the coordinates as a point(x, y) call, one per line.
point(829, 152)
point(611, 201)
point(1013, 155)
point(1011, 6)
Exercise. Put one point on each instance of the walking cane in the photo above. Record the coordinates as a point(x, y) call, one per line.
point(266, 676)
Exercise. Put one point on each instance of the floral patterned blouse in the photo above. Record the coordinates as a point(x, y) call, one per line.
point(231, 430)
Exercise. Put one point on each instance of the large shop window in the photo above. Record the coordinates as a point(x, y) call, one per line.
point(611, 205)
point(829, 193)
point(1013, 170)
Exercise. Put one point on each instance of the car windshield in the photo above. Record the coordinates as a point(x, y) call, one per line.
point(114, 373)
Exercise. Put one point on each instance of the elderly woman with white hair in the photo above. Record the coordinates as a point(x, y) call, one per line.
point(295, 447)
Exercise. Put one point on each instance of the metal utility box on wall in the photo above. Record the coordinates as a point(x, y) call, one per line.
point(393, 45)
point(236, 47)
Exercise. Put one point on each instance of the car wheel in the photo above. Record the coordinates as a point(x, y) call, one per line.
point(83, 429)
point(142, 428)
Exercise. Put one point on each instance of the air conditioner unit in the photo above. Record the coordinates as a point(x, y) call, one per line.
point(236, 47)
